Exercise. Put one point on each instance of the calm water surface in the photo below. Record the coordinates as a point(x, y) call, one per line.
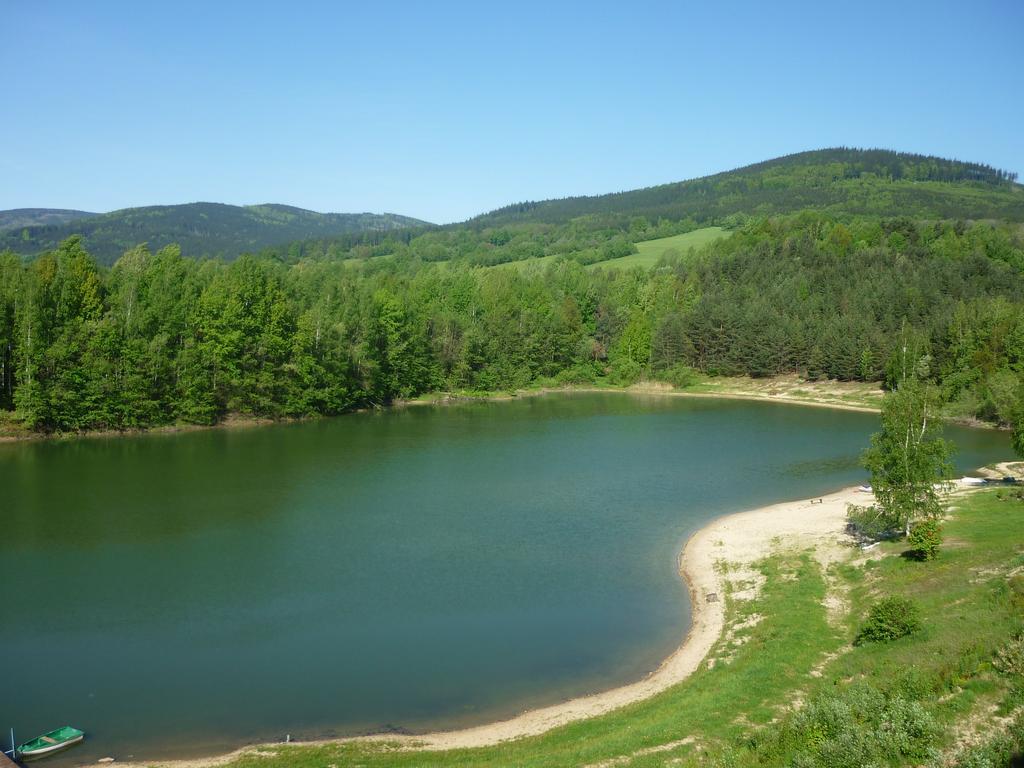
point(417, 568)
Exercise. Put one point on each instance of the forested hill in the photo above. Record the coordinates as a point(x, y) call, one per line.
point(201, 229)
point(161, 338)
point(326, 325)
point(19, 218)
point(841, 180)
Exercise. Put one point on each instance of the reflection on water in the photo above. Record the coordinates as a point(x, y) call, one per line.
point(428, 566)
point(823, 466)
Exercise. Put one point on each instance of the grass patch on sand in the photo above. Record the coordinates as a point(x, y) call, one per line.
point(858, 394)
point(786, 387)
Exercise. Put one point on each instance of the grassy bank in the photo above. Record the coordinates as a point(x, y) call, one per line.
point(786, 686)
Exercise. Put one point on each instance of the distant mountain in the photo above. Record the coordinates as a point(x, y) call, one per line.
point(857, 181)
point(33, 217)
point(201, 229)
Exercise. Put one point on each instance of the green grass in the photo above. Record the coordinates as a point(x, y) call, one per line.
point(11, 426)
point(540, 263)
point(970, 605)
point(353, 263)
point(740, 711)
point(650, 252)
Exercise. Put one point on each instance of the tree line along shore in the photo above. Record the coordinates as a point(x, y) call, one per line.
point(160, 339)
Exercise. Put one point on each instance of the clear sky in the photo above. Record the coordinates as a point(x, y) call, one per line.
point(442, 110)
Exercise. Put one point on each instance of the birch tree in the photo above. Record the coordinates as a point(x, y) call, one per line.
point(908, 459)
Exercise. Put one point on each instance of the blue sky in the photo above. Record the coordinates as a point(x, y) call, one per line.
point(444, 110)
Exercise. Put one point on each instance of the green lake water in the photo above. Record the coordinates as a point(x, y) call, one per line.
point(415, 568)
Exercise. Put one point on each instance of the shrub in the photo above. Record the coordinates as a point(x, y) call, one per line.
point(852, 727)
point(624, 372)
point(890, 619)
point(871, 523)
point(913, 684)
point(1010, 658)
point(581, 373)
point(925, 539)
point(1015, 585)
point(680, 376)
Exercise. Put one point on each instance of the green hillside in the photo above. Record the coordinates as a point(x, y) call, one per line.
point(844, 183)
point(201, 229)
point(866, 182)
point(18, 218)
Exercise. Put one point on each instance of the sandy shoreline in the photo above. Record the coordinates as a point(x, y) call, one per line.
point(653, 388)
point(239, 421)
point(739, 539)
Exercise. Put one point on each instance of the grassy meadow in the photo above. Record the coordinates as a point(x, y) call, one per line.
point(650, 252)
point(786, 686)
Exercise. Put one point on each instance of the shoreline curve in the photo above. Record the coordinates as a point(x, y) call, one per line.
point(739, 538)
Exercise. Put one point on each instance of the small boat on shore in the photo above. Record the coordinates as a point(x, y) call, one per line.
point(49, 743)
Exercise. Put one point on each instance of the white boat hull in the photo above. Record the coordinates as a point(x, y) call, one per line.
point(44, 751)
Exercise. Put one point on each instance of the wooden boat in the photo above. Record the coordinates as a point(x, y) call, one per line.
point(48, 743)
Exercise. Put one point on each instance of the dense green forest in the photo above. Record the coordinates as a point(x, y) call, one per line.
point(200, 229)
point(868, 182)
point(160, 338)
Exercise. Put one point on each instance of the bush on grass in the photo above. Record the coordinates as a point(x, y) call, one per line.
point(869, 524)
point(854, 726)
point(890, 619)
point(925, 539)
point(680, 376)
point(1010, 658)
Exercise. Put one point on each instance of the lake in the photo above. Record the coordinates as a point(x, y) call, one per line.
point(410, 569)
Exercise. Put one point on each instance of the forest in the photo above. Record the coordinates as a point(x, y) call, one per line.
point(856, 181)
point(159, 338)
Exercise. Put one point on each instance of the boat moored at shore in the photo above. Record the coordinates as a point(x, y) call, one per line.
point(49, 743)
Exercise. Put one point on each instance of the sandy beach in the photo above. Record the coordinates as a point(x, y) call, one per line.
point(777, 389)
point(738, 540)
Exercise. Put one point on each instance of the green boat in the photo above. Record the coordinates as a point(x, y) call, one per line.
point(48, 743)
